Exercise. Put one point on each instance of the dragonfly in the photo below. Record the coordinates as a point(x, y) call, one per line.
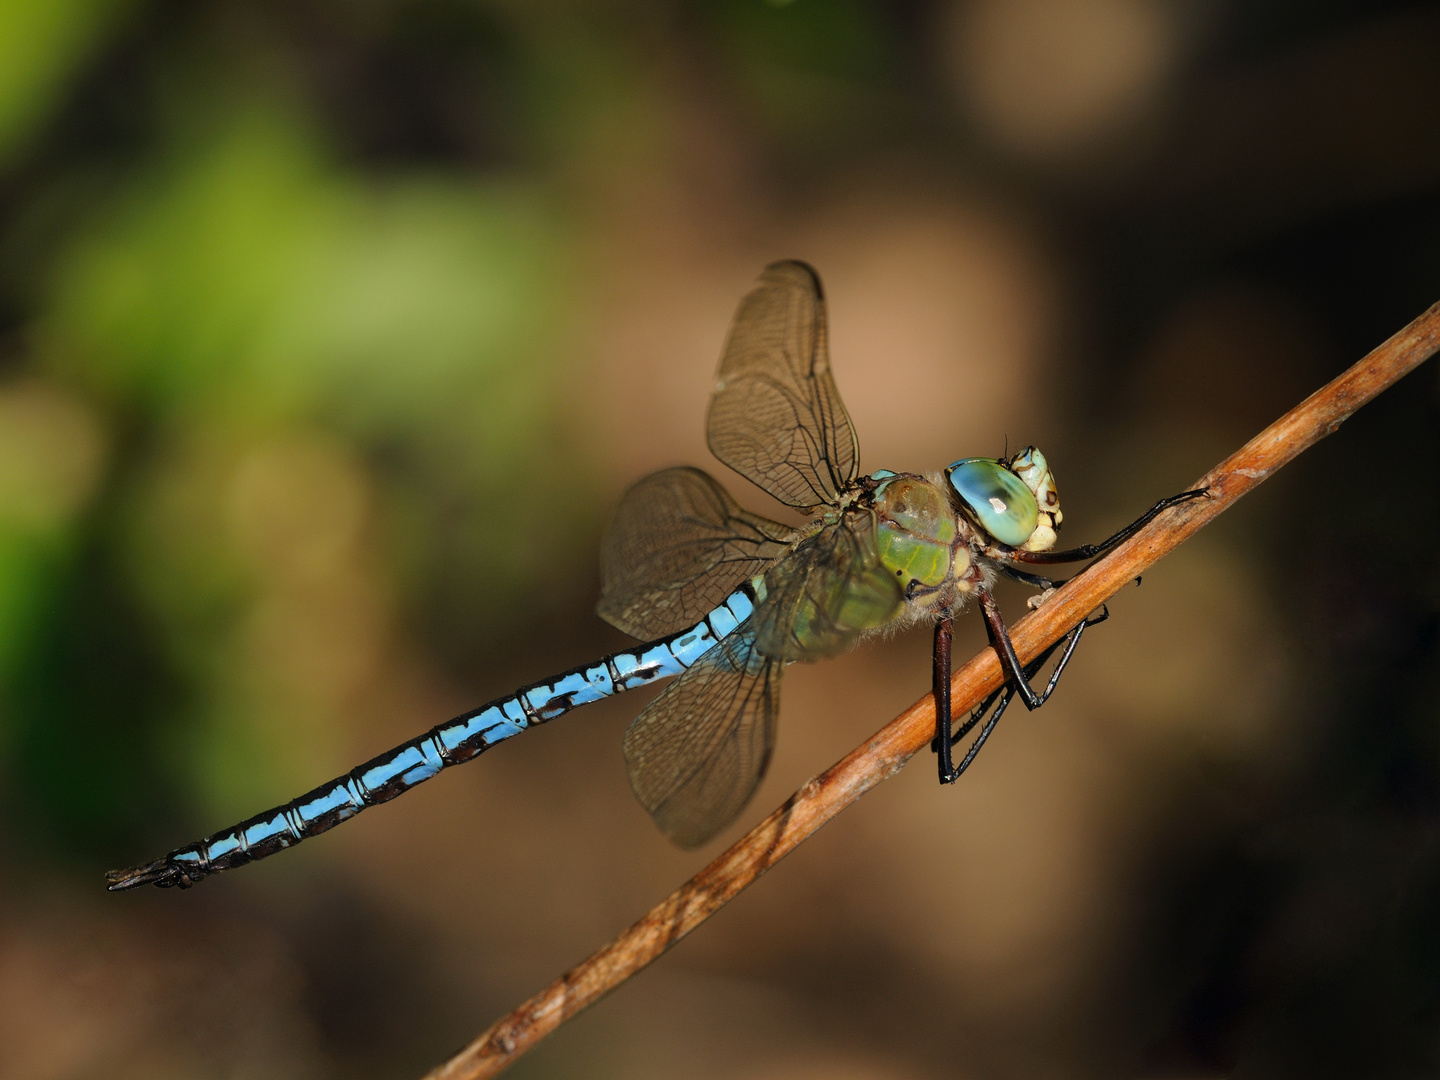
point(725, 599)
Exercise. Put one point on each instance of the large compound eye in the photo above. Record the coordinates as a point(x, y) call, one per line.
point(1002, 504)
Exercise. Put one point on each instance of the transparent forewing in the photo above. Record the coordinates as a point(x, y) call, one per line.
point(776, 416)
point(697, 753)
point(828, 593)
point(678, 546)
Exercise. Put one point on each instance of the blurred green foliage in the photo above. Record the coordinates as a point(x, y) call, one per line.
point(40, 47)
point(229, 291)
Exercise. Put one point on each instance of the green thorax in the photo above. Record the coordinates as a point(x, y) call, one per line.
point(860, 568)
point(916, 532)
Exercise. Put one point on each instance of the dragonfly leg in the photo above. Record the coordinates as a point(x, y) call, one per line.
point(1035, 581)
point(940, 684)
point(1005, 695)
point(945, 739)
point(1016, 675)
point(1070, 640)
point(1089, 551)
point(975, 717)
point(1000, 638)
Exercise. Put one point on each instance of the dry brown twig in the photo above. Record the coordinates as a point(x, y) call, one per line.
point(886, 752)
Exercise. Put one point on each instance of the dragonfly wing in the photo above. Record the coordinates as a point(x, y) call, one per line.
point(828, 594)
point(676, 548)
point(776, 416)
point(697, 753)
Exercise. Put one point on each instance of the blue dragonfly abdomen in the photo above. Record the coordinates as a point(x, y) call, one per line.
point(459, 740)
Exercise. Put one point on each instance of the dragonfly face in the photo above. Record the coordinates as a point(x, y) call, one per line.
point(1013, 500)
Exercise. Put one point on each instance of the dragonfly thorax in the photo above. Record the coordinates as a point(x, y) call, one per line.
point(921, 539)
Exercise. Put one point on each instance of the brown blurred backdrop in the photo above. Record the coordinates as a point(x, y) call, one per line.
point(330, 330)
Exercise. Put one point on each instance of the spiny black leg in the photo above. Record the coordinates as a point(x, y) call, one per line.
point(1070, 640)
point(984, 732)
point(951, 774)
point(1008, 691)
point(1089, 551)
point(1000, 638)
point(941, 687)
point(1035, 581)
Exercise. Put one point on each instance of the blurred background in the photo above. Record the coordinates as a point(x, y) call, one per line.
point(330, 331)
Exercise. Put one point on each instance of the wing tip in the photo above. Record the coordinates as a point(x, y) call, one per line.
point(790, 265)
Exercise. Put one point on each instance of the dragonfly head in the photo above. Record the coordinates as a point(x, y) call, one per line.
point(1012, 499)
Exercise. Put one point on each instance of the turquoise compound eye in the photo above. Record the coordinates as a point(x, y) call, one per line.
point(1000, 501)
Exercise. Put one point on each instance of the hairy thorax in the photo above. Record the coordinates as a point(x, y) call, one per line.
point(925, 544)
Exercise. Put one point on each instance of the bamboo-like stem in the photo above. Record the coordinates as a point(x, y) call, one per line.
point(886, 752)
